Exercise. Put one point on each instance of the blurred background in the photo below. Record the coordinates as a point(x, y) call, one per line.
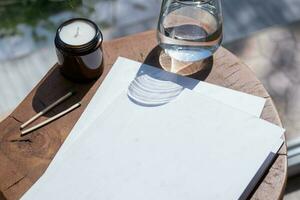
point(264, 34)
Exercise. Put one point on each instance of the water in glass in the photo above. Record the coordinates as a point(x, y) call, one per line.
point(190, 30)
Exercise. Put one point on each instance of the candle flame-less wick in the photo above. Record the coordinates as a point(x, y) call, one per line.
point(77, 32)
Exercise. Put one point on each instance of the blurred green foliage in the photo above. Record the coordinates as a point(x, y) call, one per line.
point(37, 12)
point(30, 12)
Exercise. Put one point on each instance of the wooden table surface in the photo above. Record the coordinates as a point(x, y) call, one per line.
point(24, 159)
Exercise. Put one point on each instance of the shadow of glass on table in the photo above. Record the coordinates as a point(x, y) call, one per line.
point(156, 87)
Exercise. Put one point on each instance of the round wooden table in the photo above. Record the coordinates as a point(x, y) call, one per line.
point(24, 159)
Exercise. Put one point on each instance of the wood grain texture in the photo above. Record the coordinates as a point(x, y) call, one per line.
point(23, 160)
point(4, 116)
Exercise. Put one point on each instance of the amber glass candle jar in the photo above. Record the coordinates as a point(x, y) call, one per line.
point(78, 44)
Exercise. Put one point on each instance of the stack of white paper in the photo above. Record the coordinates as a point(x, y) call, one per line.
point(196, 143)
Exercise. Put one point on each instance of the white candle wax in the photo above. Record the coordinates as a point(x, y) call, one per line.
point(78, 32)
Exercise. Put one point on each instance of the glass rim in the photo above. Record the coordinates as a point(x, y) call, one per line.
point(193, 2)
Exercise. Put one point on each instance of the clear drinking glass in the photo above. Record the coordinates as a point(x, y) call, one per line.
point(190, 30)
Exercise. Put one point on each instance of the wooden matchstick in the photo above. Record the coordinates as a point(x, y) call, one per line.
point(60, 100)
point(50, 119)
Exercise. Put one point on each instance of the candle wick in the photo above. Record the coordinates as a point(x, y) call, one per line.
point(77, 32)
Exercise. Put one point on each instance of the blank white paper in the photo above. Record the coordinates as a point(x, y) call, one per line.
point(119, 78)
point(123, 73)
point(191, 148)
